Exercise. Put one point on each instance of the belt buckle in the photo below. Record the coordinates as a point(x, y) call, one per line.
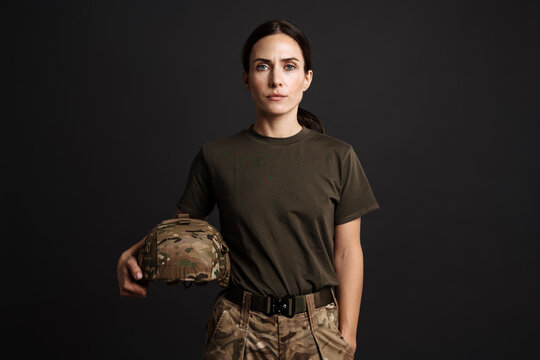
point(285, 306)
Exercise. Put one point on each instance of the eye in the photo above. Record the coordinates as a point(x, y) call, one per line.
point(292, 66)
point(258, 67)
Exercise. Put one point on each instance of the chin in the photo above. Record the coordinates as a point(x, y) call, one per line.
point(277, 109)
point(275, 112)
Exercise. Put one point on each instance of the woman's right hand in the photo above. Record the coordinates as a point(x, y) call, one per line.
point(128, 271)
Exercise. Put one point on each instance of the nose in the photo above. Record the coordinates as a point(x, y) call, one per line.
point(275, 78)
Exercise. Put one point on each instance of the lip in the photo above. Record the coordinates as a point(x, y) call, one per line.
point(276, 97)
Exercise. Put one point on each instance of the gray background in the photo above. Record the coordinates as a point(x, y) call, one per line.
point(108, 102)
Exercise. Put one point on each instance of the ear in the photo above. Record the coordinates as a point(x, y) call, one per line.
point(245, 79)
point(307, 80)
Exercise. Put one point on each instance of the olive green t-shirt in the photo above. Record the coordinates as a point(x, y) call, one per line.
point(279, 200)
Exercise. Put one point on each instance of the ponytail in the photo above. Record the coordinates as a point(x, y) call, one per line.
point(309, 120)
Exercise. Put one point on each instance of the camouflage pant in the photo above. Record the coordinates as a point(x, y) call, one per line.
point(235, 332)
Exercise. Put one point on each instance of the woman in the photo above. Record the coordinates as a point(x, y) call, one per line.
point(290, 200)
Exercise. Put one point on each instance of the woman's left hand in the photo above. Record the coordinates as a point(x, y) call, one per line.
point(350, 338)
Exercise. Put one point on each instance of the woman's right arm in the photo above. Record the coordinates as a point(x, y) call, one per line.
point(128, 270)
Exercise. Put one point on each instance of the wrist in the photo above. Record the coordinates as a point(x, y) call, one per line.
point(349, 334)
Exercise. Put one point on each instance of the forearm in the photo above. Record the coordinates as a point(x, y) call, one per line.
point(350, 273)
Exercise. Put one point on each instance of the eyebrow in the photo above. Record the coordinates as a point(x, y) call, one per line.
point(282, 60)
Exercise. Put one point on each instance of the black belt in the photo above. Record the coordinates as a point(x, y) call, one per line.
point(270, 305)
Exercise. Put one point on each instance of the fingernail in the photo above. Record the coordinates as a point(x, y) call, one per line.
point(139, 276)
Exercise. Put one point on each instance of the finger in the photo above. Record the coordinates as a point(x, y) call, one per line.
point(128, 294)
point(134, 268)
point(133, 294)
point(134, 290)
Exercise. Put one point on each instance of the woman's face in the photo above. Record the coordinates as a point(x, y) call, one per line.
point(277, 67)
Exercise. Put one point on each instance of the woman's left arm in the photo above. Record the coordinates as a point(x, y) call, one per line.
point(349, 265)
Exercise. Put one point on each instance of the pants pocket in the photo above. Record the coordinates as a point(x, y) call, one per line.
point(224, 337)
point(332, 344)
point(213, 318)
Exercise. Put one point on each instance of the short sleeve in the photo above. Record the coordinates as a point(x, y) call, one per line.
point(356, 197)
point(198, 198)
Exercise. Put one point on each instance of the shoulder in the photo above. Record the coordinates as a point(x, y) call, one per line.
point(215, 147)
point(331, 144)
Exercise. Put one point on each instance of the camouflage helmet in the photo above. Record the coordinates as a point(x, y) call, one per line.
point(185, 249)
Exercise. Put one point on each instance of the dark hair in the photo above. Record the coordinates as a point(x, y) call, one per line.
point(286, 27)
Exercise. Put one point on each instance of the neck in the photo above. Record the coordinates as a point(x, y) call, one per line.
point(277, 126)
